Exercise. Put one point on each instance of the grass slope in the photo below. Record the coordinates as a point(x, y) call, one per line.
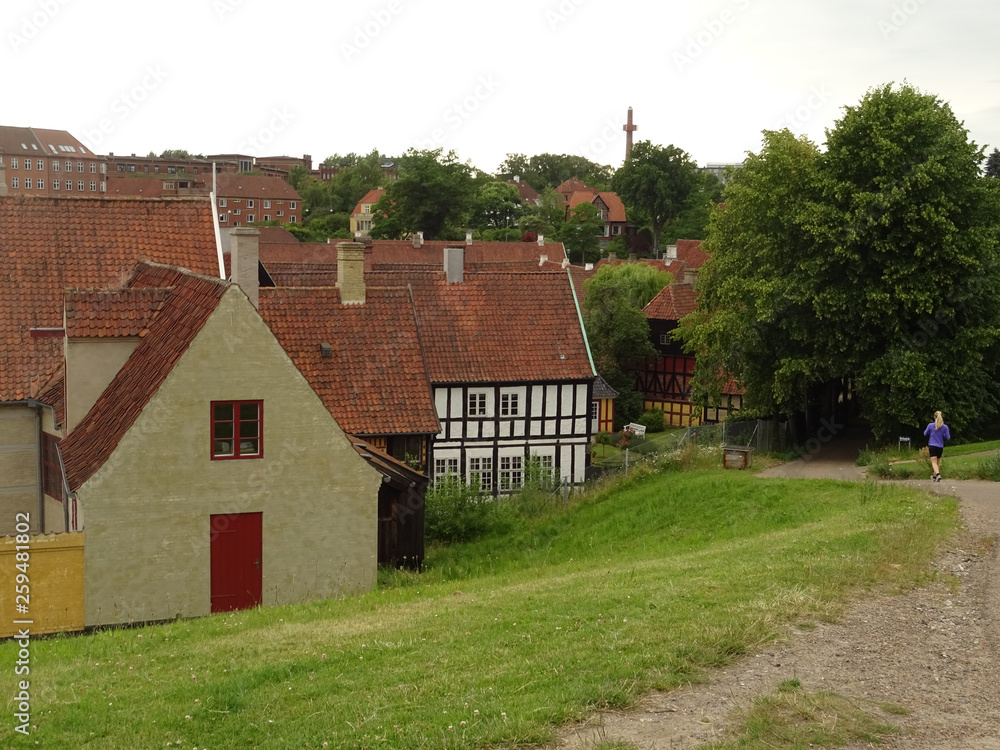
point(643, 585)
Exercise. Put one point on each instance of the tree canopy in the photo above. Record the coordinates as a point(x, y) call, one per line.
point(551, 170)
point(582, 232)
point(874, 262)
point(993, 163)
point(654, 183)
point(434, 193)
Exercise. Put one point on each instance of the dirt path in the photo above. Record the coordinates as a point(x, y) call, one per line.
point(934, 651)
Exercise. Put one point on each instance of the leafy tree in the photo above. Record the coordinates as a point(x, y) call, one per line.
point(433, 194)
point(993, 163)
point(617, 327)
point(180, 153)
point(497, 206)
point(551, 170)
point(547, 216)
point(582, 231)
point(654, 183)
point(875, 262)
point(692, 220)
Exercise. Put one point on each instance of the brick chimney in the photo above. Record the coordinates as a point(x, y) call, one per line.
point(418, 239)
point(351, 272)
point(244, 253)
point(454, 264)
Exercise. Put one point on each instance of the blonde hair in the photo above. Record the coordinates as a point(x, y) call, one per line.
point(938, 420)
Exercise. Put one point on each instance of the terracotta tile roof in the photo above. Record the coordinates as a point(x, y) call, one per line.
point(372, 196)
point(50, 244)
point(191, 300)
point(136, 187)
point(580, 197)
point(499, 327)
point(672, 303)
point(111, 313)
point(527, 193)
point(275, 235)
point(38, 142)
point(375, 381)
point(432, 252)
point(616, 209)
point(574, 185)
point(229, 185)
point(53, 393)
point(303, 274)
point(691, 253)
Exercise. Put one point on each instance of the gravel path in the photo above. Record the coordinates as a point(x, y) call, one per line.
point(934, 651)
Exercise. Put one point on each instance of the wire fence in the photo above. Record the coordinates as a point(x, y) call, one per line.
point(763, 435)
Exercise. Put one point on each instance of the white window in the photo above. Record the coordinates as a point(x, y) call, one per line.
point(280, 212)
point(93, 186)
point(69, 184)
point(55, 165)
point(616, 229)
point(13, 162)
point(55, 184)
point(595, 409)
point(69, 166)
point(250, 218)
point(41, 184)
point(664, 339)
point(27, 163)
point(368, 208)
point(93, 167)
point(250, 203)
point(511, 473)
point(291, 204)
point(267, 204)
point(443, 466)
point(27, 183)
point(104, 187)
point(79, 185)
point(104, 168)
point(510, 405)
point(79, 167)
point(477, 404)
point(222, 202)
point(40, 165)
point(267, 217)
point(237, 211)
point(482, 468)
point(14, 182)
point(222, 218)
point(291, 219)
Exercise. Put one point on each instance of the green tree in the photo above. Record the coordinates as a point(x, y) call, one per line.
point(497, 206)
point(618, 329)
point(180, 153)
point(691, 222)
point(993, 163)
point(875, 262)
point(654, 183)
point(434, 194)
point(551, 170)
point(582, 232)
point(547, 216)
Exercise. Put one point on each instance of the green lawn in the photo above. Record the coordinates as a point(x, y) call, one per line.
point(961, 467)
point(642, 585)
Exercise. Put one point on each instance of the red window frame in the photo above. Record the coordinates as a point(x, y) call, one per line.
point(236, 427)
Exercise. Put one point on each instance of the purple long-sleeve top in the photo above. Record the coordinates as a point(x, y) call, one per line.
point(937, 437)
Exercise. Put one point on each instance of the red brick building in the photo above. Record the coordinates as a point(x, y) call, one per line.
point(50, 163)
point(244, 199)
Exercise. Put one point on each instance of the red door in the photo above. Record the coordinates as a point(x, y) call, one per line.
point(236, 561)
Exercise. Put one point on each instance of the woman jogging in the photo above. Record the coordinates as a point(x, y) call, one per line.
point(938, 432)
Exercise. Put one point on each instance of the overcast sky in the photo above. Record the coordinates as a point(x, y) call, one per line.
point(483, 78)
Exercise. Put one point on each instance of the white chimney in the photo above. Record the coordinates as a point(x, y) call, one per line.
point(468, 236)
point(244, 253)
point(690, 276)
point(671, 252)
point(418, 239)
point(541, 240)
point(517, 179)
point(454, 264)
point(543, 259)
point(565, 263)
point(351, 272)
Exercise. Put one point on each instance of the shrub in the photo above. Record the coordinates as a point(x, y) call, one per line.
point(879, 467)
point(989, 468)
point(604, 438)
point(457, 512)
point(653, 420)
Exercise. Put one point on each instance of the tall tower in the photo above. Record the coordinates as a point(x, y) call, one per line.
point(629, 128)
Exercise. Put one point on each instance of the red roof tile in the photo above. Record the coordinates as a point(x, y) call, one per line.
point(432, 252)
point(616, 209)
point(229, 185)
point(135, 187)
point(50, 244)
point(691, 253)
point(112, 313)
point(527, 193)
point(574, 185)
point(275, 235)
point(191, 300)
point(499, 327)
point(672, 303)
point(372, 196)
point(375, 381)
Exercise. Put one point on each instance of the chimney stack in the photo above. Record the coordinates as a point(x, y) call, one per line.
point(468, 236)
point(418, 239)
point(612, 255)
point(351, 272)
point(541, 240)
point(543, 259)
point(244, 253)
point(690, 275)
point(454, 264)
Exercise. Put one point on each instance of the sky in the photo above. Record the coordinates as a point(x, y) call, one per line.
point(482, 78)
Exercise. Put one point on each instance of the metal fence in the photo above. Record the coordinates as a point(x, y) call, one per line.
point(763, 435)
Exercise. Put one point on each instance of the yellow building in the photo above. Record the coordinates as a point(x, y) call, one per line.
point(361, 216)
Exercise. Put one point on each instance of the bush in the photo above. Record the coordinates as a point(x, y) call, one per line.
point(457, 512)
point(653, 420)
point(879, 467)
point(604, 438)
point(989, 468)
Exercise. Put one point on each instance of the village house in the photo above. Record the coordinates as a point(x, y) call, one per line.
point(50, 162)
point(361, 216)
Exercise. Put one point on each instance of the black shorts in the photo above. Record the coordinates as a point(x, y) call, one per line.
point(935, 451)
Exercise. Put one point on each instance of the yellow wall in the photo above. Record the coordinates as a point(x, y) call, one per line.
point(148, 507)
point(18, 466)
point(676, 414)
point(55, 578)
